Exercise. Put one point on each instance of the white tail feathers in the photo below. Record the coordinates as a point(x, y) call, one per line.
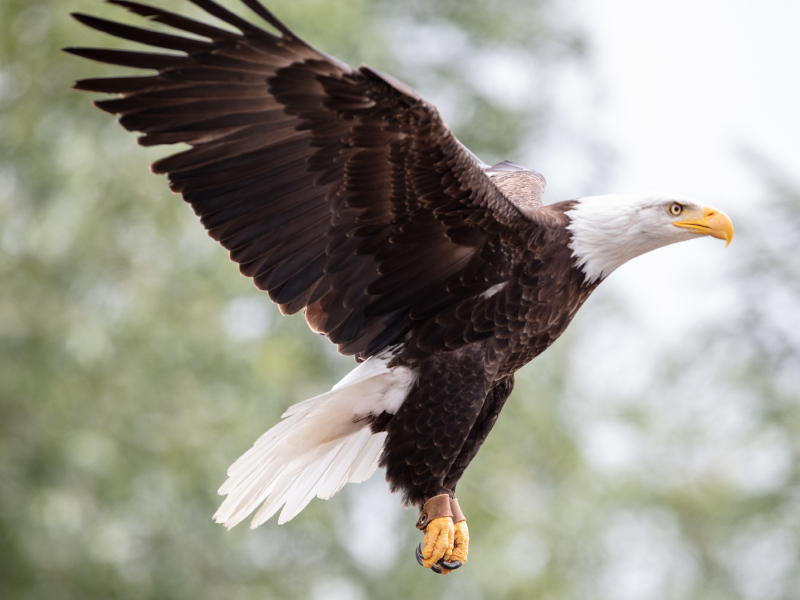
point(322, 443)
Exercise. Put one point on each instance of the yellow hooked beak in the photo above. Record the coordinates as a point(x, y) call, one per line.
point(713, 222)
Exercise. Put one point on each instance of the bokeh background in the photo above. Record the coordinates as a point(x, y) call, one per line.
point(651, 454)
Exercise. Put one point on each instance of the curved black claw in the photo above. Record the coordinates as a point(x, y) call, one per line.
point(437, 568)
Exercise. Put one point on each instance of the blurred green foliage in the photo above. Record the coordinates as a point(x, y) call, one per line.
point(136, 365)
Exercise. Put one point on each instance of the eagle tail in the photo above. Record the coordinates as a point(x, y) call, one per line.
point(321, 444)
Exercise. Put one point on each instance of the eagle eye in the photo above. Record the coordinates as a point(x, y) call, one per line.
point(675, 209)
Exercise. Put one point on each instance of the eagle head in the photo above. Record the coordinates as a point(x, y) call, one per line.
point(608, 231)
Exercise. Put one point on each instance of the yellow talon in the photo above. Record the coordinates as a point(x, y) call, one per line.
point(460, 545)
point(438, 543)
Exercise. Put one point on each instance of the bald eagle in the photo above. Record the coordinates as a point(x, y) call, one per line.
point(344, 195)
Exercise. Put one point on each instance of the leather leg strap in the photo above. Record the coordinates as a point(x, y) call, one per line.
point(456, 510)
point(438, 506)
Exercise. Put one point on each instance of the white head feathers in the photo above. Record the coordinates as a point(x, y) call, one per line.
point(608, 231)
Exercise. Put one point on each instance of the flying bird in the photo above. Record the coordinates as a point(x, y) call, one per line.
point(344, 195)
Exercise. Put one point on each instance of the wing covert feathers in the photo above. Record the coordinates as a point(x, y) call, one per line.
point(341, 192)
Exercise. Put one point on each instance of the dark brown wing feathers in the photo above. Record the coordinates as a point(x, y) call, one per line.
point(338, 191)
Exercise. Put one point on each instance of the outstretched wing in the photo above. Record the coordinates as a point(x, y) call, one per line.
point(339, 191)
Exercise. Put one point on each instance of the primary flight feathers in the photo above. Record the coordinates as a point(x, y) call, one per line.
point(337, 190)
